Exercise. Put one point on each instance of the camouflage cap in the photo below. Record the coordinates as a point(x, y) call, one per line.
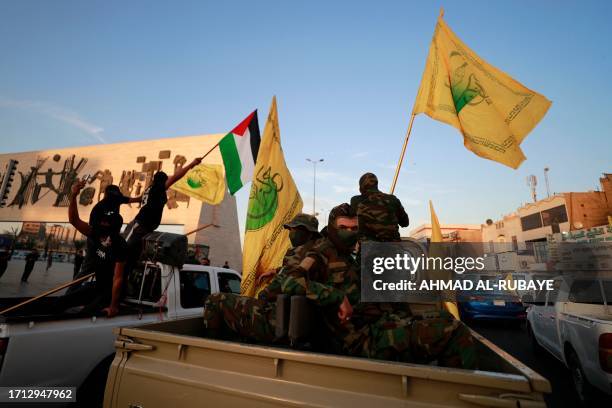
point(304, 220)
point(367, 182)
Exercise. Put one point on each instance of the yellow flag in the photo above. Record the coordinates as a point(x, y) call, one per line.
point(205, 182)
point(274, 201)
point(492, 110)
point(436, 236)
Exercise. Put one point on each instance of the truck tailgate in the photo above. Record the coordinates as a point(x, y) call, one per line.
point(171, 365)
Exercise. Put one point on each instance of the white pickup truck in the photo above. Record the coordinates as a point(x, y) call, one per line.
point(42, 349)
point(574, 323)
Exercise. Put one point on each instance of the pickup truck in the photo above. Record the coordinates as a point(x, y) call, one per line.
point(173, 364)
point(573, 322)
point(72, 349)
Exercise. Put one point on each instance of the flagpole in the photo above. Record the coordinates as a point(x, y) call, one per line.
point(401, 158)
point(201, 228)
point(211, 149)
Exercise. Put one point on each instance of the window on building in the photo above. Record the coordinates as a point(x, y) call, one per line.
point(514, 243)
point(532, 221)
point(555, 215)
point(195, 288)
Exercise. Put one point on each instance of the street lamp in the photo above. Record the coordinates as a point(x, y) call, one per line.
point(314, 184)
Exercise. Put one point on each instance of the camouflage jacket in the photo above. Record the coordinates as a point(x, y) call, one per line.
point(292, 258)
point(379, 215)
point(323, 276)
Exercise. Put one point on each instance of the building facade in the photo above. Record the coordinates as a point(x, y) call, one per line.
point(35, 189)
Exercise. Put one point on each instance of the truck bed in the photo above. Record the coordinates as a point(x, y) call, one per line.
point(173, 364)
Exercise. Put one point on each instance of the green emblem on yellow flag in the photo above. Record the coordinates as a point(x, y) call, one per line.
point(205, 182)
point(492, 110)
point(273, 202)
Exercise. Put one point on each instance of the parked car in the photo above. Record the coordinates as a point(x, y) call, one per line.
point(490, 305)
point(573, 322)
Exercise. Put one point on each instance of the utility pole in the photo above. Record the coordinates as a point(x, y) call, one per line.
point(314, 184)
point(546, 180)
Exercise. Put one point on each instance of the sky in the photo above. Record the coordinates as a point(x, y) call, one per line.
point(345, 74)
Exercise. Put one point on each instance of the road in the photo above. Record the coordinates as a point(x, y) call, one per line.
point(514, 340)
point(39, 281)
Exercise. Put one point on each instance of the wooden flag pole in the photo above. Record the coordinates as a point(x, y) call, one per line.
point(63, 286)
point(201, 228)
point(401, 158)
point(212, 148)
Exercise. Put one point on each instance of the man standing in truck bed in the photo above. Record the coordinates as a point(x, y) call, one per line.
point(106, 255)
point(379, 213)
point(149, 217)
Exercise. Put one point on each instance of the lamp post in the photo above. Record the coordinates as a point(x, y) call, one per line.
point(314, 184)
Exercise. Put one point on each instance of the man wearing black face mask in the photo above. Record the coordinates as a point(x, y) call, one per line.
point(303, 233)
point(149, 217)
point(110, 203)
point(106, 255)
point(332, 274)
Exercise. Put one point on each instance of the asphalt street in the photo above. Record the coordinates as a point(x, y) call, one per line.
point(39, 281)
point(514, 340)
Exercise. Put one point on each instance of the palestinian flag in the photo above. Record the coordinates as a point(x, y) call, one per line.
point(239, 151)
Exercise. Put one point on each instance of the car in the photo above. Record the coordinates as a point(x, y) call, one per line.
point(490, 305)
point(573, 322)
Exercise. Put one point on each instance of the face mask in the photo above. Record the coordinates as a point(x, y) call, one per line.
point(348, 238)
point(298, 237)
point(103, 230)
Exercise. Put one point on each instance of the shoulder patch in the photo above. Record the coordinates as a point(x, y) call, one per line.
point(307, 263)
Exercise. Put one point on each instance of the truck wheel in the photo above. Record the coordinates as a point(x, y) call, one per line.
point(91, 393)
point(535, 346)
point(587, 394)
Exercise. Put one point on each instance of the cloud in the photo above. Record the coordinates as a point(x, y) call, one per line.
point(344, 189)
point(62, 114)
point(359, 155)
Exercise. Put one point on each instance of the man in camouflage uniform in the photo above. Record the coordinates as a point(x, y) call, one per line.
point(303, 232)
point(255, 319)
point(379, 213)
point(329, 277)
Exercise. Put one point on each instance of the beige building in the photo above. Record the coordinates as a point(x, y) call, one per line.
point(560, 213)
point(35, 188)
point(450, 232)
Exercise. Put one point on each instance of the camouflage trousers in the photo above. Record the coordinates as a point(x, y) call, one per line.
point(240, 315)
point(421, 341)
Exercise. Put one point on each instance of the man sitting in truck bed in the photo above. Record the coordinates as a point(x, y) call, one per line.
point(106, 254)
point(329, 277)
point(255, 318)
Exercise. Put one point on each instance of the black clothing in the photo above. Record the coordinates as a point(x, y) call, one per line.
point(5, 257)
point(153, 201)
point(87, 295)
point(78, 261)
point(102, 254)
point(134, 234)
point(108, 204)
point(30, 259)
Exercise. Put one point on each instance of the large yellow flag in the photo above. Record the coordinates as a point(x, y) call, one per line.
point(205, 182)
point(492, 111)
point(274, 201)
point(436, 236)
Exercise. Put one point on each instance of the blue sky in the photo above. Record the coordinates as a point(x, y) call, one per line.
point(345, 75)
